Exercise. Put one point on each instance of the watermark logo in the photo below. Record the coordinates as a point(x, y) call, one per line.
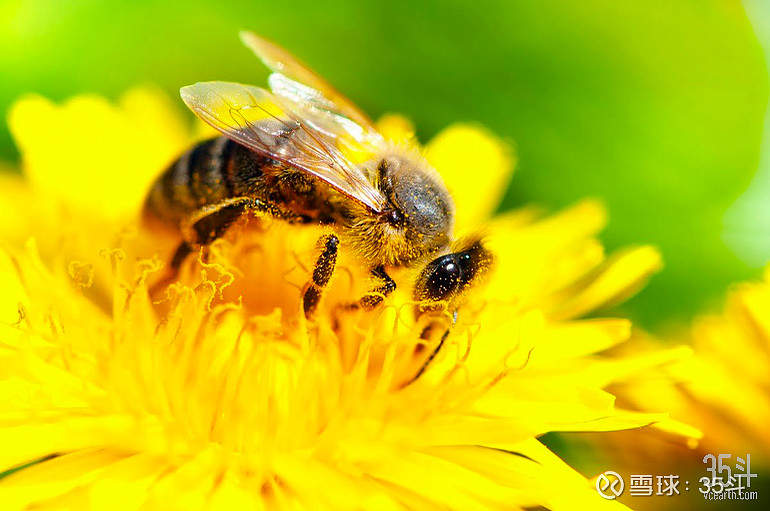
point(723, 483)
point(727, 484)
point(610, 485)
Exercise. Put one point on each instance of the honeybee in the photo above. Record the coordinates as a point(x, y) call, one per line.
point(287, 154)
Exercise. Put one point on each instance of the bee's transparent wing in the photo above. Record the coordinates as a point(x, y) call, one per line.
point(286, 132)
point(293, 80)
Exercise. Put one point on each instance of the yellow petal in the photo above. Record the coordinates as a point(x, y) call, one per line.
point(19, 209)
point(579, 338)
point(536, 258)
point(29, 442)
point(51, 481)
point(330, 488)
point(90, 153)
point(619, 278)
point(13, 296)
point(446, 483)
point(476, 166)
point(396, 128)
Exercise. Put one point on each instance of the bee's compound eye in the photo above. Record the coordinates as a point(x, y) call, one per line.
point(443, 278)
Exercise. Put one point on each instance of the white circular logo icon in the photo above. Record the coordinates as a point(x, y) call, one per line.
point(610, 485)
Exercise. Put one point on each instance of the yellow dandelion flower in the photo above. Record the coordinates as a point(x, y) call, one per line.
point(723, 388)
point(220, 395)
point(717, 400)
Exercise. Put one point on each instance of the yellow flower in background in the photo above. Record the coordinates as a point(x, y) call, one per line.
point(222, 396)
point(723, 388)
point(717, 400)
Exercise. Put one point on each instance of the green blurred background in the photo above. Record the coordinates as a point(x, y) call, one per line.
point(654, 106)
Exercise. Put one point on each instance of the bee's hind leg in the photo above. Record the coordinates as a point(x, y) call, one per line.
point(322, 273)
point(209, 224)
point(171, 272)
point(213, 221)
point(180, 254)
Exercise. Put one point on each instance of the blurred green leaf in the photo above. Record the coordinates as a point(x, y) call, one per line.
point(655, 106)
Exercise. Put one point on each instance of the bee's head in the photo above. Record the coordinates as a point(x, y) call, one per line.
point(445, 279)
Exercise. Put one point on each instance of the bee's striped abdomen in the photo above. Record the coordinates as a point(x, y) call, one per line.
point(216, 171)
point(200, 177)
point(209, 171)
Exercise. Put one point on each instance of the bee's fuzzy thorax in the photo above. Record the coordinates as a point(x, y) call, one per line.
point(419, 215)
point(406, 158)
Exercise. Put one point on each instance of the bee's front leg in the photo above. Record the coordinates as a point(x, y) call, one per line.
point(426, 335)
point(372, 298)
point(377, 295)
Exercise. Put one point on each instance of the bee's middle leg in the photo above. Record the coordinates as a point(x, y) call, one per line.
point(209, 224)
point(322, 273)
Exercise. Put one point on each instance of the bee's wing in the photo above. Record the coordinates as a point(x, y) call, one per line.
point(295, 81)
point(325, 111)
point(283, 131)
